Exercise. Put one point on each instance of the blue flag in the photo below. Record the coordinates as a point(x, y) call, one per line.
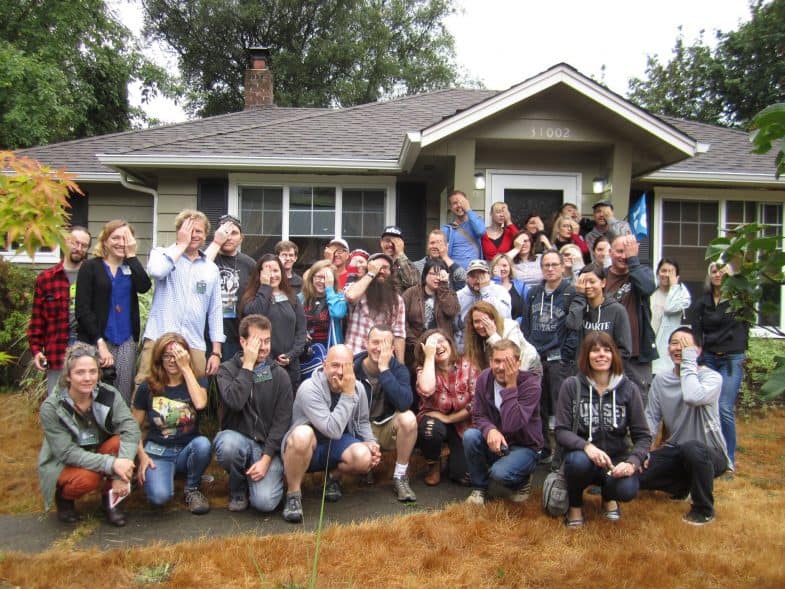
point(639, 221)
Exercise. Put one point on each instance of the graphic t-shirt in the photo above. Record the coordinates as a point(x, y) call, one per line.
point(172, 417)
point(71, 274)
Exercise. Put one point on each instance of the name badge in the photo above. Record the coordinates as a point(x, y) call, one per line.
point(264, 375)
point(88, 438)
point(154, 449)
point(201, 287)
point(126, 270)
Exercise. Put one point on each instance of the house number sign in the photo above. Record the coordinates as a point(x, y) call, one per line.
point(550, 132)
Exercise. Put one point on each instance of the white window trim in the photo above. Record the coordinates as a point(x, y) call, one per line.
point(13, 257)
point(284, 181)
point(721, 197)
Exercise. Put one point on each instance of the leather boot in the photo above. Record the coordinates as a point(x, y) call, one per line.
point(113, 516)
point(66, 510)
point(434, 475)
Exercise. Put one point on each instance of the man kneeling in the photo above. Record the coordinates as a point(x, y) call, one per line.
point(686, 401)
point(506, 441)
point(330, 431)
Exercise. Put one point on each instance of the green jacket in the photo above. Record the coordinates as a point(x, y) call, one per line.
point(61, 436)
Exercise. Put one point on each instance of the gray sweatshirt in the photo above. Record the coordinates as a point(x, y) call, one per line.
point(688, 404)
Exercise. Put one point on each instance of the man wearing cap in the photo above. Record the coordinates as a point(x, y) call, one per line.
point(404, 273)
point(373, 301)
point(480, 288)
point(234, 268)
point(338, 251)
point(437, 249)
point(464, 232)
point(287, 252)
point(605, 224)
point(686, 401)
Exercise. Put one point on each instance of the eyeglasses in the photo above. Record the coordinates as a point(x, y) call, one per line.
point(551, 265)
point(78, 245)
point(168, 357)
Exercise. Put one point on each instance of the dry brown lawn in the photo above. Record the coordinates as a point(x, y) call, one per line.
point(497, 546)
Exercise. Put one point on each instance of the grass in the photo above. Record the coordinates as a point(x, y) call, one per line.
point(501, 545)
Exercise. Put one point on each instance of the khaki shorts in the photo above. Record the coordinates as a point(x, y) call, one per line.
point(385, 433)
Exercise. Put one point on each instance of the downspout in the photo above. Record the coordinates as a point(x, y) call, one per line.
point(147, 190)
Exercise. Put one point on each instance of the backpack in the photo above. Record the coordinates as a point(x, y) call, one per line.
point(555, 500)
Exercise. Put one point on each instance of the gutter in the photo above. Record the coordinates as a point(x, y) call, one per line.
point(147, 190)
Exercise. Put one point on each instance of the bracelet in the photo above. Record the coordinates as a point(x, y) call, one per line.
point(371, 274)
point(216, 354)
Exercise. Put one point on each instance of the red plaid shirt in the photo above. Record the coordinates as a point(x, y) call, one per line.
point(453, 393)
point(48, 329)
point(360, 323)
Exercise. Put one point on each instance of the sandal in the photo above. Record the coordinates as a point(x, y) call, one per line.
point(613, 515)
point(573, 524)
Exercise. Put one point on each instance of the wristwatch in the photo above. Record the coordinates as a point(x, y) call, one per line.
point(216, 354)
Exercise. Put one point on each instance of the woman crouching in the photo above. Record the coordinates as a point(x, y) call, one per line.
point(89, 435)
point(596, 410)
point(170, 400)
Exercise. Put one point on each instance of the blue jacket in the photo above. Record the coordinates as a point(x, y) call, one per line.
point(459, 248)
point(545, 322)
point(395, 386)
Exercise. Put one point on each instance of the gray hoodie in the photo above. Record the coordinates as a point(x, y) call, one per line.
point(610, 317)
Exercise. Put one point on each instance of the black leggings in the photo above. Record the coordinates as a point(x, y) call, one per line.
point(431, 434)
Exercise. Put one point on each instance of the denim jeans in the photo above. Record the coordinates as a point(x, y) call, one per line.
point(581, 472)
point(236, 452)
point(730, 366)
point(191, 460)
point(512, 470)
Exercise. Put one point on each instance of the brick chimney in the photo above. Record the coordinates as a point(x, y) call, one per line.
point(258, 78)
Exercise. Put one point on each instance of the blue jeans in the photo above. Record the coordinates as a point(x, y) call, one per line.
point(730, 366)
point(512, 470)
point(581, 472)
point(236, 453)
point(191, 460)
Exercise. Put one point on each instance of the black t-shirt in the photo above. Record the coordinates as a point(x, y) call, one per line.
point(173, 419)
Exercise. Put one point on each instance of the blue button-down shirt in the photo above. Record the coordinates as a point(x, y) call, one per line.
point(187, 293)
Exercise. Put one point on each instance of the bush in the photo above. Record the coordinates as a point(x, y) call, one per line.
point(757, 370)
point(16, 299)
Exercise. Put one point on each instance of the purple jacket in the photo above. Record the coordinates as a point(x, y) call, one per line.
point(519, 420)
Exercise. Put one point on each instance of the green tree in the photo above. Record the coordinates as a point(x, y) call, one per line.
point(323, 52)
point(65, 66)
point(744, 73)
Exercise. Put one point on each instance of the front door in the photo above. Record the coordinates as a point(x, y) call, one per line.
point(533, 192)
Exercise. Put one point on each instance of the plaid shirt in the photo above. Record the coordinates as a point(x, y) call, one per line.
point(453, 393)
point(48, 329)
point(361, 321)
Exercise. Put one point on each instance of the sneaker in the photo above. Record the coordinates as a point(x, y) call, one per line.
point(238, 502)
point(695, 518)
point(293, 508)
point(403, 490)
point(333, 492)
point(552, 423)
point(680, 496)
point(522, 493)
point(546, 457)
point(614, 514)
point(196, 502)
point(476, 497)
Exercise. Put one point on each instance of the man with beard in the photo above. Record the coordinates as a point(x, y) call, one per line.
point(465, 231)
point(605, 224)
point(52, 321)
point(437, 249)
point(234, 268)
point(187, 295)
point(404, 273)
point(373, 301)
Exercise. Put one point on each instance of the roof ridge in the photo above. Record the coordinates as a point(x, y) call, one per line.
point(703, 124)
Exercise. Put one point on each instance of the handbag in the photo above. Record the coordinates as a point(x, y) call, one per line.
point(314, 355)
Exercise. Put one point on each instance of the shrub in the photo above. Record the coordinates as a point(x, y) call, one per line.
point(757, 370)
point(16, 296)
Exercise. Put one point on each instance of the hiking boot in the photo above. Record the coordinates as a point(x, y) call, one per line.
point(403, 490)
point(522, 493)
point(66, 509)
point(476, 497)
point(196, 502)
point(113, 515)
point(695, 518)
point(293, 508)
point(333, 491)
point(238, 502)
point(434, 475)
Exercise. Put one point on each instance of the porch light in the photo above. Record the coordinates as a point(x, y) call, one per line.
point(479, 181)
point(598, 185)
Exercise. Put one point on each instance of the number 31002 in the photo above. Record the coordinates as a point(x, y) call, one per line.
point(550, 132)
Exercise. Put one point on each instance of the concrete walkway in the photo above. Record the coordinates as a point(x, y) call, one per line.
point(37, 533)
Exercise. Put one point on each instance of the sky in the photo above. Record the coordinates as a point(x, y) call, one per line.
point(503, 42)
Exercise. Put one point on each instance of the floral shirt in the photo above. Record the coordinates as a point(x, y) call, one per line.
point(454, 391)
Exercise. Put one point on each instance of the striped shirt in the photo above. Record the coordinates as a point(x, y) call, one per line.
point(187, 293)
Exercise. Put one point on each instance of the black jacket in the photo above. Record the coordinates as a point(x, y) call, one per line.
point(717, 328)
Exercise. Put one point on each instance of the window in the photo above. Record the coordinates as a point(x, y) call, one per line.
point(311, 211)
point(261, 212)
point(687, 228)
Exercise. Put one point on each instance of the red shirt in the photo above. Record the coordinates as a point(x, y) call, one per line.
point(48, 329)
point(489, 249)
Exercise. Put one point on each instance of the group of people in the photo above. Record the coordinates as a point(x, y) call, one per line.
point(476, 364)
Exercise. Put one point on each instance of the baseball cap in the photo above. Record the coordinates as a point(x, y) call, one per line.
point(359, 252)
point(602, 203)
point(230, 219)
point(381, 255)
point(341, 242)
point(392, 230)
point(481, 265)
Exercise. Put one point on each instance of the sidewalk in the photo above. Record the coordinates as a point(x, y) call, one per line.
point(37, 533)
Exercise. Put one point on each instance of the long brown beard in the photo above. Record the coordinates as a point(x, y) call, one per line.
point(382, 298)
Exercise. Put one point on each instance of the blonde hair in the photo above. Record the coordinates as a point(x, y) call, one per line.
point(192, 214)
point(473, 344)
point(309, 292)
point(557, 224)
point(99, 250)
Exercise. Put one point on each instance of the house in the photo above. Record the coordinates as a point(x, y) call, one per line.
point(307, 174)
